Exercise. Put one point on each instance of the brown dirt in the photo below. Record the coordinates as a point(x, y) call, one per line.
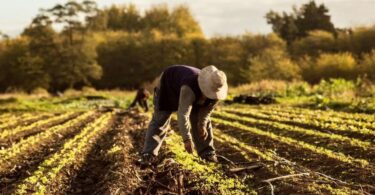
point(313, 161)
point(271, 169)
point(101, 171)
point(21, 122)
point(119, 173)
point(342, 122)
point(334, 145)
point(5, 143)
point(28, 164)
point(110, 167)
point(351, 134)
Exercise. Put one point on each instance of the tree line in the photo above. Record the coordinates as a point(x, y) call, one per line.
point(120, 47)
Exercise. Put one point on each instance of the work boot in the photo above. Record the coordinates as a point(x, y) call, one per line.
point(146, 160)
point(210, 157)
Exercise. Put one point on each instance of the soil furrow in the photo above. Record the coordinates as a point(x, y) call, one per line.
point(314, 161)
point(108, 164)
point(275, 168)
point(11, 139)
point(363, 152)
point(319, 119)
point(30, 164)
point(348, 133)
point(24, 122)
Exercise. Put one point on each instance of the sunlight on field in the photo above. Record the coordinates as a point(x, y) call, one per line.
point(292, 109)
point(42, 150)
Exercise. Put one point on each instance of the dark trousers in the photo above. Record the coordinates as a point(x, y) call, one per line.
point(158, 128)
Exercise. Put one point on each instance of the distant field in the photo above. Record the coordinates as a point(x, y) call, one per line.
point(90, 144)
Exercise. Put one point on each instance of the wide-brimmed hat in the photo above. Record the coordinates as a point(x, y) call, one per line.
point(213, 83)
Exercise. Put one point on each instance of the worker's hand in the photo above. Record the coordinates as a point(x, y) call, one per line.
point(188, 146)
point(203, 132)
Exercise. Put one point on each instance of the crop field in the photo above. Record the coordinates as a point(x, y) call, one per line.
point(90, 145)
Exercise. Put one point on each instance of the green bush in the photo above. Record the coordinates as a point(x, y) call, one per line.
point(20, 69)
point(367, 65)
point(315, 43)
point(274, 87)
point(336, 88)
point(362, 40)
point(298, 89)
point(273, 64)
point(40, 92)
point(340, 65)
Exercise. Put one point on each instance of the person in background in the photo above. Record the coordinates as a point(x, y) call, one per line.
point(193, 93)
point(141, 98)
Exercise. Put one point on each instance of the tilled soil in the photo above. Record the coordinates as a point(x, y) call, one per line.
point(5, 143)
point(346, 148)
point(109, 168)
point(112, 168)
point(351, 134)
point(253, 178)
point(21, 122)
point(313, 161)
point(28, 164)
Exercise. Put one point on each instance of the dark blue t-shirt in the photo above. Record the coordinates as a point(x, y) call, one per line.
point(173, 78)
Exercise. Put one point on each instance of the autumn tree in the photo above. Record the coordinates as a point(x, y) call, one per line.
point(313, 17)
point(315, 43)
point(69, 57)
point(284, 25)
point(20, 69)
point(297, 24)
point(183, 23)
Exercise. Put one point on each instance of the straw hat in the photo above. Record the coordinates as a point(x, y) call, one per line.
point(213, 83)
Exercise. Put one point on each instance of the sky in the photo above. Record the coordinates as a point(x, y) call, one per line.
point(216, 17)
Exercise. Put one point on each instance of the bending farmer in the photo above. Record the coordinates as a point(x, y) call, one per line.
point(141, 98)
point(193, 93)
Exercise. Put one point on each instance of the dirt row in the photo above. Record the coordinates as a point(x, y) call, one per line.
point(309, 184)
point(346, 148)
point(323, 120)
point(313, 161)
point(5, 143)
point(30, 162)
point(348, 133)
point(110, 166)
point(329, 113)
point(22, 122)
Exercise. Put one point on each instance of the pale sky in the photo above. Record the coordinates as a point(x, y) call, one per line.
point(224, 17)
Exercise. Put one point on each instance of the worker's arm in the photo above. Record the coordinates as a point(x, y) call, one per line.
point(185, 105)
point(204, 116)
